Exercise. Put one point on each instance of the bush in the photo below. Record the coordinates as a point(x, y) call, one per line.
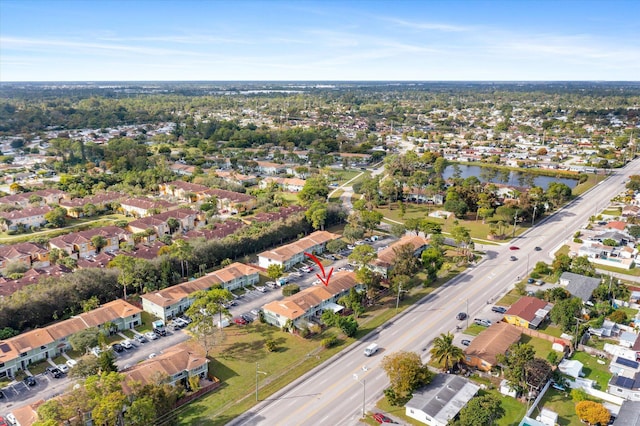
point(552, 357)
point(535, 275)
point(577, 240)
point(619, 316)
point(305, 332)
point(329, 342)
point(290, 289)
point(271, 345)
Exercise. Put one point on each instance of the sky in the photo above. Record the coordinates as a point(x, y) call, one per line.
point(400, 40)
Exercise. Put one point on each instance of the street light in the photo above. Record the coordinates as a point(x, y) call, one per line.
point(355, 376)
point(261, 372)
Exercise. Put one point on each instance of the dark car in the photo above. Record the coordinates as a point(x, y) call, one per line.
point(466, 342)
point(513, 258)
point(117, 347)
point(160, 331)
point(140, 338)
point(537, 248)
point(461, 315)
point(240, 321)
point(247, 318)
point(530, 281)
point(30, 381)
point(499, 309)
point(55, 372)
point(514, 248)
point(381, 418)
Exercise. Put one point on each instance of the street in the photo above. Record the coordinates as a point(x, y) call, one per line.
point(332, 393)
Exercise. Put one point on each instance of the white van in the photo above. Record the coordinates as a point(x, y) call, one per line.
point(371, 349)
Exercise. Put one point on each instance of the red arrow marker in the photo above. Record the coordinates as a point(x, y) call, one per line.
point(324, 278)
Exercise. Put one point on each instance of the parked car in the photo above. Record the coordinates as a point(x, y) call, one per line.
point(63, 367)
point(140, 339)
point(117, 347)
point(461, 315)
point(3, 421)
point(513, 258)
point(255, 312)
point(71, 363)
point(180, 322)
point(499, 309)
point(55, 372)
point(240, 321)
point(530, 281)
point(160, 331)
point(151, 335)
point(30, 381)
point(96, 351)
point(465, 342)
point(152, 355)
point(482, 322)
point(539, 282)
point(261, 289)
point(247, 318)
point(537, 248)
point(381, 418)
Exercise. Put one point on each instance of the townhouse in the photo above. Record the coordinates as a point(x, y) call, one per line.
point(35, 198)
point(75, 206)
point(308, 305)
point(188, 220)
point(31, 254)
point(27, 217)
point(291, 254)
point(172, 301)
point(237, 178)
point(80, 244)
point(32, 276)
point(183, 191)
point(17, 352)
point(383, 263)
point(231, 201)
point(142, 207)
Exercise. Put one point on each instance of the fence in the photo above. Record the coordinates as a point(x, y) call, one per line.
point(197, 394)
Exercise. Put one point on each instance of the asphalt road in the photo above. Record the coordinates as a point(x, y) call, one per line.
point(332, 393)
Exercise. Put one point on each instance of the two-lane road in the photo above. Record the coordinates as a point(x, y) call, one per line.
point(331, 394)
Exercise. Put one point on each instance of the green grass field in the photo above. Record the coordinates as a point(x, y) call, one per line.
point(593, 370)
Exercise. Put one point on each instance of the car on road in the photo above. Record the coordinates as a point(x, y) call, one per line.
point(537, 248)
point(465, 342)
point(30, 381)
point(381, 418)
point(499, 309)
point(71, 363)
point(461, 315)
point(513, 258)
point(152, 355)
point(55, 372)
point(240, 321)
point(140, 339)
point(151, 335)
point(514, 248)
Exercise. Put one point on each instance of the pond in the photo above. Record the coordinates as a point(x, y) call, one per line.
point(507, 177)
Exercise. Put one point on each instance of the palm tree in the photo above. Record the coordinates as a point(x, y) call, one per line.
point(445, 352)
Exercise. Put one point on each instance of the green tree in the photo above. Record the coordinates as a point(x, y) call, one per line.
point(336, 246)
point(405, 262)
point(445, 352)
point(203, 311)
point(99, 242)
point(406, 372)
point(142, 412)
point(275, 271)
point(515, 365)
point(348, 325)
point(314, 189)
point(482, 410)
point(362, 254)
point(317, 214)
point(106, 362)
point(182, 251)
point(173, 224)
point(85, 339)
point(57, 217)
point(565, 312)
point(126, 268)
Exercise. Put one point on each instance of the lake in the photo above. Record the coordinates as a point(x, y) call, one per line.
point(507, 177)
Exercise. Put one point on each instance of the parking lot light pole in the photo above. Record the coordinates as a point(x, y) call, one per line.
point(362, 382)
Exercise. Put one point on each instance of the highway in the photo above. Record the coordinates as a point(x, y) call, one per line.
point(332, 393)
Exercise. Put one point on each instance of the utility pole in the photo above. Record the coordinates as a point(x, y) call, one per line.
point(533, 218)
point(364, 389)
point(260, 372)
point(515, 221)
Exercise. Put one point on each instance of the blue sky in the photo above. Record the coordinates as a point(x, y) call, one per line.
point(78, 40)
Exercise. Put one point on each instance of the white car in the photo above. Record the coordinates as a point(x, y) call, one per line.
point(71, 363)
point(64, 368)
point(152, 355)
point(96, 351)
point(126, 344)
point(180, 322)
point(261, 289)
point(150, 335)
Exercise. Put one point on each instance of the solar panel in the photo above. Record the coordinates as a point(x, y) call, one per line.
point(627, 363)
point(625, 382)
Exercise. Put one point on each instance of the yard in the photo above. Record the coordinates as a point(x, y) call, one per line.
point(593, 370)
point(509, 299)
point(561, 403)
point(541, 346)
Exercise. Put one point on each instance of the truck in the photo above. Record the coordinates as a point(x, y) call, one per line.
point(371, 349)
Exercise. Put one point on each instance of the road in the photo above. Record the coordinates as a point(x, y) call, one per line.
point(332, 393)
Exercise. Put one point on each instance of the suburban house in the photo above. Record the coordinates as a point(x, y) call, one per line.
point(238, 178)
point(269, 168)
point(27, 217)
point(25, 199)
point(17, 352)
point(629, 414)
point(175, 365)
point(625, 387)
point(219, 231)
point(483, 351)
point(172, 301)
point(141, 207)
point(182, 169)
point(579, 285)
point(80, 244)
point(233, 202)
point(383, 263)
point(188, 220)
point(284, 184)
point(183, 191)
point(31, 254)
point(441, 400)
point(528, 312)
point(281, 214)
point(25, 415)
point(308, 305)
point(291, 254)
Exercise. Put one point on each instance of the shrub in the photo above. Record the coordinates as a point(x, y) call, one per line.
point(271, 345)
point(577, 240)
point(329, 342)
point(290, 289)
point(305, 332)
point(619, 316)
point(552, 357)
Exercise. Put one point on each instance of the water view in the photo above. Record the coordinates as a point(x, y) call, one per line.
point(507, 177)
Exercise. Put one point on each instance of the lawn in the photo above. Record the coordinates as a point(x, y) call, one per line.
point(562, 404)
point(551, 330)
point(633, 271)
point(541, 346)
point(147, 319)
point(474, 330)
point(593, 370)
point(593, 180)
point(508, 299)
point(335, 197)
